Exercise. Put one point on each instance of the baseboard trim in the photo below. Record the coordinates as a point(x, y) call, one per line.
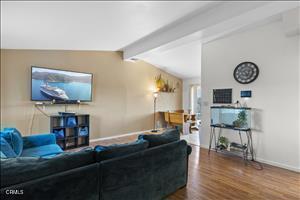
point(280, 165)
point(269, 162)
point(204, 146)
point(117, 136)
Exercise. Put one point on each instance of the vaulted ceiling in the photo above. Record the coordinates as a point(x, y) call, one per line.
point(81, 25)
point(167, 34)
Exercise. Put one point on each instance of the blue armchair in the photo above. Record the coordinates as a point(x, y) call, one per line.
point(43, 145)
point(14, 145)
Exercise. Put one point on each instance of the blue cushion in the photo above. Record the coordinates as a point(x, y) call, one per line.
point(2, 155)
point(117, 150)
point(38, 140)
point(41, 151)
point(6, 149)
point(14, 138)
point(168, 136)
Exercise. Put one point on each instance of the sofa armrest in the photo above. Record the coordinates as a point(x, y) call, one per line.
point(189, 149)
point(38, 140)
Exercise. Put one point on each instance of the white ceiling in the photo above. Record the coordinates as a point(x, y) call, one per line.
point(183, 61)
point(177, 47)
point(85, 25)
point(167, 34)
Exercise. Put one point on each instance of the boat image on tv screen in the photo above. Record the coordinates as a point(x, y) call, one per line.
point(51, 84)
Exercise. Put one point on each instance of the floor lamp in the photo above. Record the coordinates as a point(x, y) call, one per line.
point(155, 95)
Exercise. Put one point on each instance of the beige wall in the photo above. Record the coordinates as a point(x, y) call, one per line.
point(122, 98)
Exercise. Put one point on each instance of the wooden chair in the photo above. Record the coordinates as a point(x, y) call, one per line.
point(178, 119)
point(174, 119)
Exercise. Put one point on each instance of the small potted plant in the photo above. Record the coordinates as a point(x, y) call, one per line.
point(241, 120)
point(223, 142)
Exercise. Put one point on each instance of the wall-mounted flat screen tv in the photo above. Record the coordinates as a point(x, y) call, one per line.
point(59, 85)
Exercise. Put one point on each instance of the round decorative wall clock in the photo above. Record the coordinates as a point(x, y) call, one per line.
point(246, 72)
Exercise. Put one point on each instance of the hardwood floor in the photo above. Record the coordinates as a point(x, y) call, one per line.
point(217, 176)
point(222, 177)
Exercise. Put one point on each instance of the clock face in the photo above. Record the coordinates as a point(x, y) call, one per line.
point(246, 72)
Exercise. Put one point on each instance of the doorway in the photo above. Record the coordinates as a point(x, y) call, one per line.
point(194, 101)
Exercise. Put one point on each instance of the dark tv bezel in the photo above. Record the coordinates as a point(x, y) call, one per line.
point(61, 102)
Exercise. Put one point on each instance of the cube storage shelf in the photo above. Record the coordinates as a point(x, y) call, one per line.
point(71, 131)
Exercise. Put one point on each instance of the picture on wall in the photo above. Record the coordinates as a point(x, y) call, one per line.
point(222, 96)
point(52, 84)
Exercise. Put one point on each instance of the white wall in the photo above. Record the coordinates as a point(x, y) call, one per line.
point(299, 88)
point(275, 93)
point(186, 86)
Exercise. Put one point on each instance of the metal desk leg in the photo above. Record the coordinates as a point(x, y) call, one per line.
point(210, 138)
point(215, 137)
point(250, 144)
point(217, 140)
point(241, 140)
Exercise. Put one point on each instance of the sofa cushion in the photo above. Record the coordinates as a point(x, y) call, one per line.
point(22, 169)
point(2, 156)
point(45, 150)
point(14, 138)
point(117, 150)
point(6, 149)
point(38, 140)
point(170, 135)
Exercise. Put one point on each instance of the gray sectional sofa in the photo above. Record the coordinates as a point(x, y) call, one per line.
point(150, 173)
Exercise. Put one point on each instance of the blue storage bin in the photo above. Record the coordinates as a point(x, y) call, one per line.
point(83, 131)
point(59, 133)
point(71, 122)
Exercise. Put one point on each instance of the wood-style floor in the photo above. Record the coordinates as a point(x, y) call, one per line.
point(217, 176)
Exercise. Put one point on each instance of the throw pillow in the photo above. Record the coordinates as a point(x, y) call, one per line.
point(117, 150)
point(14, 139)
point(168, 136)
point(6, 149)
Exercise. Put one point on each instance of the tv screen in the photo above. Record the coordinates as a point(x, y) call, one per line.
point(62, 86)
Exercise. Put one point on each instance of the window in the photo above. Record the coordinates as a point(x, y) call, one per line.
point(195, 100)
